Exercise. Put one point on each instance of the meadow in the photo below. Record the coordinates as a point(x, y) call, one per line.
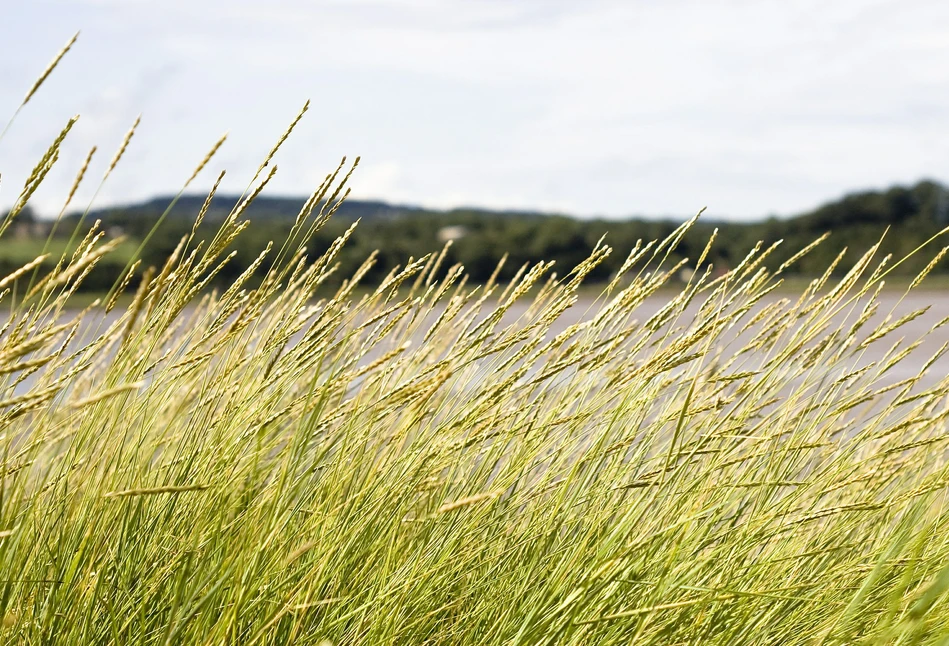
point(427, 461)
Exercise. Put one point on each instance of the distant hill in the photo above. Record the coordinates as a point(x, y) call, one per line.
point(926, 201)
point(188, 206)
point(903, 217)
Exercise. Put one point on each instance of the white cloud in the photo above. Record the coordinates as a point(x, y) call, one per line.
point(610, 107)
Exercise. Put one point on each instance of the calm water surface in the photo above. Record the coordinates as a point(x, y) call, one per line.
point(937, 301)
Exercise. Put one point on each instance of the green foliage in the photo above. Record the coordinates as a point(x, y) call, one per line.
point(15, 253)
point(903, 218)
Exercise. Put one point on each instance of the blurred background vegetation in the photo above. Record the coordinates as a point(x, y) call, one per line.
point(903, 216)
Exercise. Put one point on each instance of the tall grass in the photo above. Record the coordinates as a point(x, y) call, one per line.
point(433, 462)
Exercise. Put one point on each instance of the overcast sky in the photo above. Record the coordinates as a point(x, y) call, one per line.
point(588, 107)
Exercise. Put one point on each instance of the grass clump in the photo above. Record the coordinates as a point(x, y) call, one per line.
point(430, 462)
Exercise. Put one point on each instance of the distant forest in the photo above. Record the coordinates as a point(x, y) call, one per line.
point(907, 217)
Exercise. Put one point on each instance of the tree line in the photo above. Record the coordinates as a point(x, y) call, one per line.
point(903, 217)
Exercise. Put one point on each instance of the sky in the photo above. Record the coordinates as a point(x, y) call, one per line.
point(593, 108)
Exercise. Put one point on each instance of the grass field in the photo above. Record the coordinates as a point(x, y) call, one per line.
point(23, 250)
point(408, 465)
